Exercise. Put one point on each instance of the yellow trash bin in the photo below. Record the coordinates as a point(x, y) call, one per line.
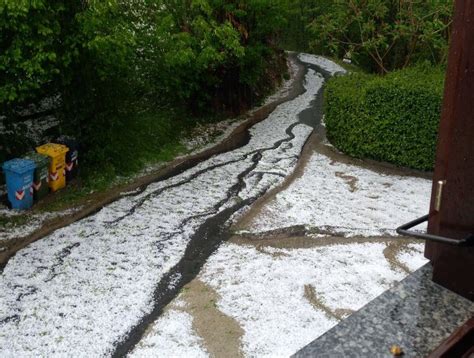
point(57, 164)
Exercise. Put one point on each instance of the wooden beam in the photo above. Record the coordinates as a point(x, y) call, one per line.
point(452, 208)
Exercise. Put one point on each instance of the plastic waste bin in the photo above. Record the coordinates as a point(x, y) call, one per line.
point(41, 174)
point(19, 178)
point(57, 164)
point(72, 161)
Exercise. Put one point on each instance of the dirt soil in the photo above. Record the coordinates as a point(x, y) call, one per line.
point(221, 334)
point(286, 239)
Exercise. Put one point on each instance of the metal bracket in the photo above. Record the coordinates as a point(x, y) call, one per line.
point(405, 231)
point(439, 194)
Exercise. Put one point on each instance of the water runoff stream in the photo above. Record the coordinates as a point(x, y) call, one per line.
point(93, 288)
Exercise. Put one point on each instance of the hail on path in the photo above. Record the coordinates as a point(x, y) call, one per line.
point(282, 292)
point(81, 290)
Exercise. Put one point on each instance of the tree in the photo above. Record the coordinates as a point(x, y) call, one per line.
point(382, 35)
point(108, 60)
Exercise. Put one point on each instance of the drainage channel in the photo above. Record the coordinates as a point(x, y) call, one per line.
point(239, 138)
point(202, 244)
point(249, 172)
point(214, 230)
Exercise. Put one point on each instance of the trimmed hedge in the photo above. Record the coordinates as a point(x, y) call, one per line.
point(392, 118)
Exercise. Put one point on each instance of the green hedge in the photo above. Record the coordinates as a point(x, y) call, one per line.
point(392, 118)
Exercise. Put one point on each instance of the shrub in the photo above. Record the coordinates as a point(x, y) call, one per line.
point(34, 61)
point(392, 118)
point(144, 138)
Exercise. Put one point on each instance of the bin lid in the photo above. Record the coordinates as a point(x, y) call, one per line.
point(52, 149)
point(69, 142)
point(19, 166)
point(39, 159)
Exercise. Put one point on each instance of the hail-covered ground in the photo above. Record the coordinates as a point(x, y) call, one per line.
point(19, 224)
point(285, 292)
point(80, 291)
point(282, 298)
point(345, 199)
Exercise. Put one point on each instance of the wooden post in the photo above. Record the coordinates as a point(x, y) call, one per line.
point(452, 200)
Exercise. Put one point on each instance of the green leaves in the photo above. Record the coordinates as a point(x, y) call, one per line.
point(111, 59)
point(382, 35)
point(208, 43)
point(392, 118)
point(28, 59)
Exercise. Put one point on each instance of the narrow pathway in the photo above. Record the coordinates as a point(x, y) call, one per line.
point(306, 255)
point(94, 287)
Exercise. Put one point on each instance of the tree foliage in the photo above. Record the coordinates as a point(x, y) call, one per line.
point(378, 35)
point(110, 59)
point(32, 54)
point(382, 35)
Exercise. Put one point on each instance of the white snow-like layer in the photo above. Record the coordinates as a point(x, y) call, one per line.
point(413, 257)
point(265, 290)
point(347, 200)
point(274, 168)
point(200, 141)
point(80, 290)
point(35, 129)
point(171, 336)
point(208, 135)
point(32, 222)
point(327, 65)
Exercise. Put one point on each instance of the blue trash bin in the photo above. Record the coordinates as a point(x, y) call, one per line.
point(19, 178)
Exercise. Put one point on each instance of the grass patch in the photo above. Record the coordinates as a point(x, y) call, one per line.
point(127, 145)
point(119, 153)
point(12, 221)
point(147, 138)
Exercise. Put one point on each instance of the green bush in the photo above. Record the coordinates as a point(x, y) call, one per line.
point(143, 138)
point(392, 118)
